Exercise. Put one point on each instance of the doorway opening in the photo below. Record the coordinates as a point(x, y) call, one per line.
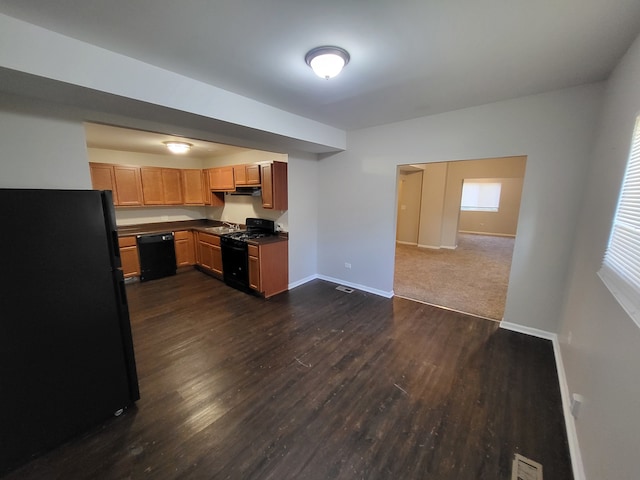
point(456, 254)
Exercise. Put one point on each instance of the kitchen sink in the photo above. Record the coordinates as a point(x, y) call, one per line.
point(220, 230)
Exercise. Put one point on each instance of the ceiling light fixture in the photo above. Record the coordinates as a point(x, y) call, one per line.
point(327, 62)
point(178, 147)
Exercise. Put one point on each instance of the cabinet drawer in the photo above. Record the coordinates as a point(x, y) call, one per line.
point(182, 235)
point(207, 238)
point(253, 250)
point(127, 242)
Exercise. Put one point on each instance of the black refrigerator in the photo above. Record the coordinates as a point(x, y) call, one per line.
point(66, 350)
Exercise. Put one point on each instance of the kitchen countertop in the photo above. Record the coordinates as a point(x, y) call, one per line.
point(146, 228)
point(214, 227)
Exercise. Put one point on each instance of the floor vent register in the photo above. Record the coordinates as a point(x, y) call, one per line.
point(344, 289)
point(525, 469)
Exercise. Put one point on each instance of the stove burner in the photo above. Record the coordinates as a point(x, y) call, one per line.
point(246, 235)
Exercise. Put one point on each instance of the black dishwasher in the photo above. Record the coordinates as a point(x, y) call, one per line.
point(157, 256)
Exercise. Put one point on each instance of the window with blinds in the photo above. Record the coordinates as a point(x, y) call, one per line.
point(478, 196)
point(621, 265)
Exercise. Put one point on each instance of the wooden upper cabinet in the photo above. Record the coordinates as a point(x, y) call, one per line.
point(128, 185)
point(240, 175)
point(247, 174)
point(161, 186)
point(172, 186)
point(215, 199)
point(253, 174)
point(193, 187)
point(274, 186)
point(152, 185)
point(102, 178)
point(221, 179)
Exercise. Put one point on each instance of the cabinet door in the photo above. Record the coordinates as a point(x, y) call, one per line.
point(252, 174)
point(206, 255)
point(185, 253)
point(269, 268)
point(129, 256)
point(172, 186)
point(254, 268)
point(221, 179)
point(280, 186)
point(193, 187)
point(215, 199)
point(240, 174)
point(152, 190)
point(216, 260)
point(102, 178)
point(128, 185)
point(267, 186)
point(209, 253)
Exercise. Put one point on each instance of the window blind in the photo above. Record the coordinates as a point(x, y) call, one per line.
point(621, 265)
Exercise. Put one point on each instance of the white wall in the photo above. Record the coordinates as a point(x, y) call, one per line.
point(409, 200)
point(432, 208)
point(41, 152)
point(357, 214)
point(304, 197)
point(600, 344)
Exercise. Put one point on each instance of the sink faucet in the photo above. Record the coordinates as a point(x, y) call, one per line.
point(232, 226)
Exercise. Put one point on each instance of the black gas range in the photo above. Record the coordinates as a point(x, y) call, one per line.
point(235, 251)
point(255, 228)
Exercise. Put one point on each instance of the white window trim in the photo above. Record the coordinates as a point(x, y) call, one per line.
point(620, 269)
point(622, 292)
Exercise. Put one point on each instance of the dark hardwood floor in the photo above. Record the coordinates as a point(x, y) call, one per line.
point(319, 384)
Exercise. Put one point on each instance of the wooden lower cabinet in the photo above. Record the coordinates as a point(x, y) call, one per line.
point(185, 249)
point(129, 256)
point(209, 254)
point(269, 268)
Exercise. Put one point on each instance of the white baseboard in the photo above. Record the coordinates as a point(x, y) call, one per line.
point(357, 286)
point(303, 281)
point(413, 244)
point(488, 234)
point(431, 247)
point(437, 247)
point(570, 425)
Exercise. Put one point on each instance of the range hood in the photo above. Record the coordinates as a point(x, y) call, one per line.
point(253, 191)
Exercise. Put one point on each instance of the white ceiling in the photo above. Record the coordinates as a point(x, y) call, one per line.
point(409, 58)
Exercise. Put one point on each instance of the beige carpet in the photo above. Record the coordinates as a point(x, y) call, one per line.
point(472, 278)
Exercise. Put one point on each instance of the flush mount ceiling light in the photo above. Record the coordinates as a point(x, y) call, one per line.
point(327, 62)
point(178, 147)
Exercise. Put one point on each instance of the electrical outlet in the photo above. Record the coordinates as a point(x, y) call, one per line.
point(347, 265)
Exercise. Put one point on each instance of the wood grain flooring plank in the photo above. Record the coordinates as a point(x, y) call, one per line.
point(318, 384)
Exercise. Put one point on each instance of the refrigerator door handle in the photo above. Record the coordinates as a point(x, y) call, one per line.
point(112, 228)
